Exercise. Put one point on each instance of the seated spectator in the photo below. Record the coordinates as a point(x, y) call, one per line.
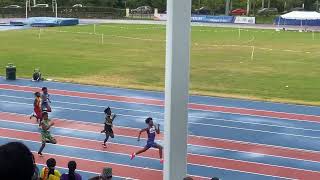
point(71, 175)
point(36, 170)
point(105, 175)
point(16, 162)
point(49, 172)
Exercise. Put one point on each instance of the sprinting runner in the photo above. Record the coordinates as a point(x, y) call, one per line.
point(108, 125)
point(45, 100)
point(37, 107)
point(45, 133)
point(151, 131)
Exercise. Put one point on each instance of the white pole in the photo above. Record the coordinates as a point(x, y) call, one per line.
point(239, 34)
point(102, 38)
point(248, 7)
point(56, 4)
point(26, 9)
point(312, 35)
point(227, 9)
point(252, 53)
point(176, 89)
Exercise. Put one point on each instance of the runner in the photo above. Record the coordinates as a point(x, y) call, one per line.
point(37, 107)
point(151, 131)
point(45, 100)
point(108, 125)
point(45, 133)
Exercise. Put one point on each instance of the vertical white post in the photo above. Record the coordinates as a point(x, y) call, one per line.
point(252, 53)
point(285, 5)
point(102, 38)
point(227, 9)
point(177, 89)
point(248, 7)
point(56, 6)
point(239, 34)
point(312, 35)
point(53, 4)
point(127, 12)
point(26, 9)
point(156, 12)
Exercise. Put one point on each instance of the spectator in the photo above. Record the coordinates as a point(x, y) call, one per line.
point(105, 175)
point(49, 172)
point(72, 175)
point(16, 162)
point(36, 170)
point(215, 178)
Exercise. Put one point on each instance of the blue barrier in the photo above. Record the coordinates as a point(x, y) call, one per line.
point(212, 19)
point(46, 22)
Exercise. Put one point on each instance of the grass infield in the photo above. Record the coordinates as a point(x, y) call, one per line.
point(255, 64)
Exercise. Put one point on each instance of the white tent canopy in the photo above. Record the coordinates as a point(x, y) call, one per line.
point(302, 15)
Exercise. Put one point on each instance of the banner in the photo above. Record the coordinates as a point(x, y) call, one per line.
point(212, 19)
point(245, 20)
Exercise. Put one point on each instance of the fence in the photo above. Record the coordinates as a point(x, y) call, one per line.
point(66, 12)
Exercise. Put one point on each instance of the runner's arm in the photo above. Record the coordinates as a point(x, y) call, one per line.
point(48, 98)
point(113, 116)
point(141, 131)
point(44, 127)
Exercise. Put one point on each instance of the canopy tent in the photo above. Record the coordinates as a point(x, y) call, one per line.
point(299, 18)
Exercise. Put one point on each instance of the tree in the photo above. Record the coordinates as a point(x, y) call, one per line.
point(160, 4)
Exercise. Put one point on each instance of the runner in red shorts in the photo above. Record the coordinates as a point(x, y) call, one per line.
point(37, 107)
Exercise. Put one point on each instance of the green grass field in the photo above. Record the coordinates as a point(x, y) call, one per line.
point(285, 65)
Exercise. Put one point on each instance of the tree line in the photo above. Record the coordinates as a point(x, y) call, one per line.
point(216, 6)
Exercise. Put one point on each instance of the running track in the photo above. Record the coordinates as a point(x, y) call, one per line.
point(228, 138)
